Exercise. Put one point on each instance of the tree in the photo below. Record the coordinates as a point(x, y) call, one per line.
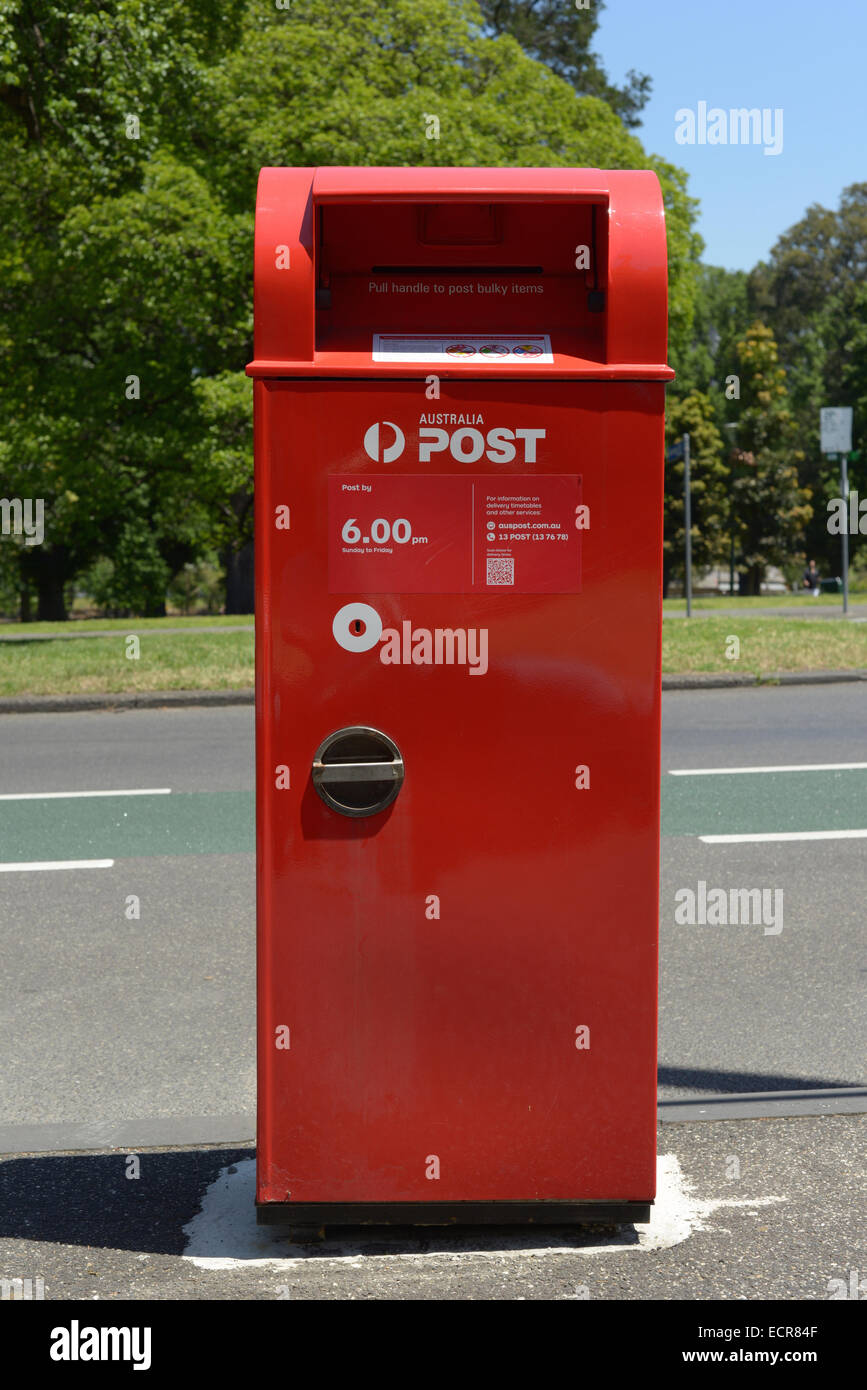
point(811, 293)
point(133, 132)
point(110, 283)
point(225, 483)
point(694, 415)
point(135, 293)
point(560, 35)
point(771, 509)
point(720, 317)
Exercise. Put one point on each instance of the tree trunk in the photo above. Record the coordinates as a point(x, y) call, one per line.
point(666, 576)
point(49, 571)
point(750, 581)
point(26, 614)
point(240, 587)
point(50, 598)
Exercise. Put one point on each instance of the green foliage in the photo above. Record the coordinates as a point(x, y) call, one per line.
point(133, 131)
point(197, 587)
point(559, 35)
point(134, 579)
point(224, 459)
point(709, 475)
point(771, 508)
point(811, 292)
point(721, 316)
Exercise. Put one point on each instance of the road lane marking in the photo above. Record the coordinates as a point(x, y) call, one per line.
point(776, 835)
point(60, 796)
point(793, 767)
point(46, 865)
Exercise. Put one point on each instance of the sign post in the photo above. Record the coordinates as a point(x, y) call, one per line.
point(674, 455)
point(687, 518)
point(835, 428)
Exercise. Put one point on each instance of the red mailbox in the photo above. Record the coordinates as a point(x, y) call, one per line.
point(459, 393)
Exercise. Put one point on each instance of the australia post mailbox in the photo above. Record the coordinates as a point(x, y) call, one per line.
point(459, 379)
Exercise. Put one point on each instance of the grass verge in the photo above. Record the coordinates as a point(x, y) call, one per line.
point(195, 661)
point(726, 603)
point(124, 625)
point(766, 645)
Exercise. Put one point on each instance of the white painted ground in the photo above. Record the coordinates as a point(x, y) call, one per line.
point(224, 1234)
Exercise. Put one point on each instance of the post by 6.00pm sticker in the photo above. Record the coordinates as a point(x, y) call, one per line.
point(454, 533)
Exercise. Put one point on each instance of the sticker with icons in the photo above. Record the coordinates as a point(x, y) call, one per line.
point(502, 349)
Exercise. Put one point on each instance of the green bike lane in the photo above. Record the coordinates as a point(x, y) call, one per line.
point(62, 828)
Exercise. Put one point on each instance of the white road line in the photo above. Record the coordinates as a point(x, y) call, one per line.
point(732, 771)
point(41, 866)
point(61, 796)
point(778, 835)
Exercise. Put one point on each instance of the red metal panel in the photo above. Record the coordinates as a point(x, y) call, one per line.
point(443, 185)
point(414, 1036)
point(283, 301)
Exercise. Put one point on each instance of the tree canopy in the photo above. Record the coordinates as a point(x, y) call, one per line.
point(133, 132)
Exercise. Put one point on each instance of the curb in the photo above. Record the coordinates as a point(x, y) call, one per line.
point(233, 1130)
point(179, 699)
point(141, 699)
point(699, 680)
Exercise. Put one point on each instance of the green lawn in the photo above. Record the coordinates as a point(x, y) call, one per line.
point(726, 603)
point(766, 645)
point(194, 661)
point(124, 625)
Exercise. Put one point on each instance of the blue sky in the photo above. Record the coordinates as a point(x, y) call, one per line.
point(808, 57)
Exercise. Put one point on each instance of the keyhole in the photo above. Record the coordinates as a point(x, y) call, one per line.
point(359, 626)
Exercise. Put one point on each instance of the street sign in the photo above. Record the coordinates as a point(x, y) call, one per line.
point(836, 429)
point(835, 426)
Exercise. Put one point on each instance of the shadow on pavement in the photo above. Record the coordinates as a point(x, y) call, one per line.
point(694, 1078)
point(87, 1199)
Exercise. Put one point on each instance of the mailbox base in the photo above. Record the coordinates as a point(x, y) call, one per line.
point(314, 1215)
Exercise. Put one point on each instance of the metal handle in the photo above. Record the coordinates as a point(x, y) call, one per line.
point(358, 771)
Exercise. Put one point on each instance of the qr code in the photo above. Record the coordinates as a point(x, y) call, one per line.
point(501, 569)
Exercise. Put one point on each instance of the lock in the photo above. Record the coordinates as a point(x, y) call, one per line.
point(358, 771)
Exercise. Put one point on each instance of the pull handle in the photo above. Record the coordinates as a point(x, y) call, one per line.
point(358, 771)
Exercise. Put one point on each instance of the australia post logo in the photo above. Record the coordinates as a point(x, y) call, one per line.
point(385, 441)
point(358, 628)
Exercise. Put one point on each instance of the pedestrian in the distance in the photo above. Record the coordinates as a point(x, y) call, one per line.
point(812, 580)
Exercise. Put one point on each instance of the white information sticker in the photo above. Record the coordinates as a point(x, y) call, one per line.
point(473, 347)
